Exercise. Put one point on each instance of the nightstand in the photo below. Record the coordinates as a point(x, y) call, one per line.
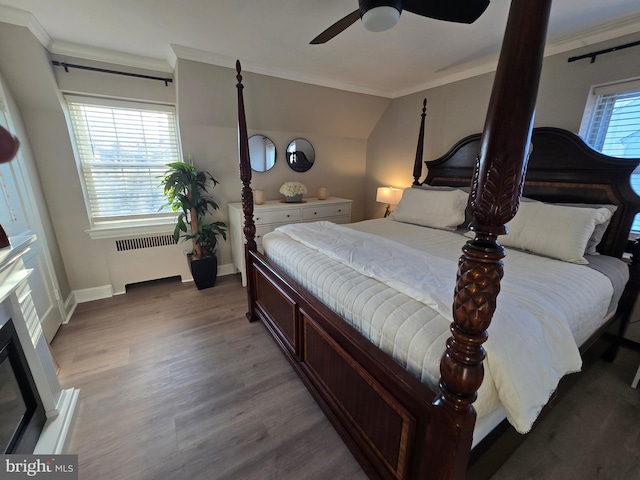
point(631, 306)
point(275, 213)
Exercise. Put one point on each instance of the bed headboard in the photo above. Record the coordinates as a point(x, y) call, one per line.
point(562, 168)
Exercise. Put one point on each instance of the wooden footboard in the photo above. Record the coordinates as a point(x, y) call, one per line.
point(381, 411)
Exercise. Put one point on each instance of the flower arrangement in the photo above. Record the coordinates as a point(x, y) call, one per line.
point(291, 189)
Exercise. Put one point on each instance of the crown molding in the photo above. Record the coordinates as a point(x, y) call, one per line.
point(109, 56)
point(23, 18)
point(602, 33)
point(486, 65)
point(188, 53)
point(172, 58)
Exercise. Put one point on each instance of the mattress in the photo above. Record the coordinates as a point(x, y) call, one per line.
point(549, 307)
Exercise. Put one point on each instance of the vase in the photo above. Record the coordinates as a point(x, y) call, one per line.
point(258, 197)
point(294, 199)
point(322, 193)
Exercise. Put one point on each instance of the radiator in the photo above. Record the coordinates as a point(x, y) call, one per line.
point(145, 242)
point(134, 260)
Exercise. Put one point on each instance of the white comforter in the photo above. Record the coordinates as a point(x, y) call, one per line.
point(403, 304)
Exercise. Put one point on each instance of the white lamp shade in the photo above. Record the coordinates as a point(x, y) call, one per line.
point(379, 19)
point(388, 195)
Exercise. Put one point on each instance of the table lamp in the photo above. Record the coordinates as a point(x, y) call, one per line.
point(390, 196)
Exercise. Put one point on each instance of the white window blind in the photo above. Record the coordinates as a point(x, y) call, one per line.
point(614, 126)
point(123, 148)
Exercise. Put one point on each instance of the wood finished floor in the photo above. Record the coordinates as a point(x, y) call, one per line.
point(176, 384)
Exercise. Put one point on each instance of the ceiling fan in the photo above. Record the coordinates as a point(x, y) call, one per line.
point(380, 15)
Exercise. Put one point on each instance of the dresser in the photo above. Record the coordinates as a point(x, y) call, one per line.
point(275, 213)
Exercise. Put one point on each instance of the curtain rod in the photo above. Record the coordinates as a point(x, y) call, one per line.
point(593, 55)
point(67, 66)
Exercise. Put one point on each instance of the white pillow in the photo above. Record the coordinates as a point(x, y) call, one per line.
point(598, 232)
point(443, 209)
point(553, 230)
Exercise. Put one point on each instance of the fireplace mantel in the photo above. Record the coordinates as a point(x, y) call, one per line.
point(16, 303)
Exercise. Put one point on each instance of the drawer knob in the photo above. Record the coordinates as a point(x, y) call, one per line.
point(257, 218)
point(315, 213)
point(288, 216)
point(339, 210)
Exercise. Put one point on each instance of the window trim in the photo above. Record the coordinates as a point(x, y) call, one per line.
point(123, 229)
point(145, 224)
point(597, 91)
point(603, 89)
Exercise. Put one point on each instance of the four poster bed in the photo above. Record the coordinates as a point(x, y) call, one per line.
point(367, 341)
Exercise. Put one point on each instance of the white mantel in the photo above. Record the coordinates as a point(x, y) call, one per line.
point(16, 303)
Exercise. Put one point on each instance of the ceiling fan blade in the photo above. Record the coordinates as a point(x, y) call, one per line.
point(338, 27)
point(461, 11)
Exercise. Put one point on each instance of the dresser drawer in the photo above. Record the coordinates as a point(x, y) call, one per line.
point(287, 215)
point(273, 213)
point(324, 211)
point(262, 230)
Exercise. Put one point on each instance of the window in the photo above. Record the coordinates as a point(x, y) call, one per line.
point(613, 126)
point(123, 148)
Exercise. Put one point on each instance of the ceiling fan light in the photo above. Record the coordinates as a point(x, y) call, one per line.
point(379, 19)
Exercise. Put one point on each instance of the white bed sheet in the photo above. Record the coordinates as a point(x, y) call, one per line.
point(415, 334)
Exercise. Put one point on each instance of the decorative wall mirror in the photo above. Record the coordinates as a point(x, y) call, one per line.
point(300, 155)
point(262, 153)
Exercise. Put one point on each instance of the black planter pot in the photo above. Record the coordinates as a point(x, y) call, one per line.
point(204, 271)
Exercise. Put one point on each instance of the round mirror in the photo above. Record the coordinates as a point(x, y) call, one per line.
point(300, 155)
point(262, 153)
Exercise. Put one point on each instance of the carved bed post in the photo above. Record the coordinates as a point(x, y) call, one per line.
point(417, 166)
point(495, 195)
point(247, 193)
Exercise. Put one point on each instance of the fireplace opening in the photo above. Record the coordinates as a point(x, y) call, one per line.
point(22, 414)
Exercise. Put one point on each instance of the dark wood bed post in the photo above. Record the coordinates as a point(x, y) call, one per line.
point(496, 187)
point(247, 193)
point(417, 166)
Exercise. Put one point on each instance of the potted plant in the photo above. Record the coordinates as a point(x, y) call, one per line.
point(186, 189)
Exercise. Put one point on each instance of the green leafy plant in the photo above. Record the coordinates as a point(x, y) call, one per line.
point(186, 189)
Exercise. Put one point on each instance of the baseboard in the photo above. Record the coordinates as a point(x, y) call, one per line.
point(227, 269)
point(106, 291)
point(95, 293)
point(57, 430)
point(69, 306)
